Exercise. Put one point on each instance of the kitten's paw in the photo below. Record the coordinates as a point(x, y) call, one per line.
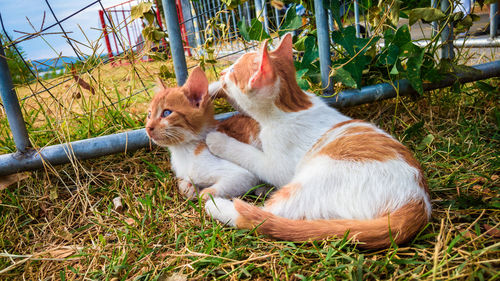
point(187, 189)
point(208, 193)
point(217, 143)
point(222, 210)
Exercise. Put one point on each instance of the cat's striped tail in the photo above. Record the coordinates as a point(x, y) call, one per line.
point(399, 226)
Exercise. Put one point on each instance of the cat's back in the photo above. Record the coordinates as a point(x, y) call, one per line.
point(241, 127)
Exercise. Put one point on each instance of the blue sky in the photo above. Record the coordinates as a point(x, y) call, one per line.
point(15, 12)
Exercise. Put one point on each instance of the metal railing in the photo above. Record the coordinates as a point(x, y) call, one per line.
point(28, 158)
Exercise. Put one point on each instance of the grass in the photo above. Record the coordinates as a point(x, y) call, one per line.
point(60, 223)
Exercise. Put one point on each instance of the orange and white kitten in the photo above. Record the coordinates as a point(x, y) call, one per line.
point(336, 174)
point(180, 118)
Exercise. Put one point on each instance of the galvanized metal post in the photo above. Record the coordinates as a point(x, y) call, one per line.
point(323, 45)
point(175, 40)
point(330, 20)
point(493, 20)
point(264, 15)
point(356, 19)
point(434, 24)
point(277, 14)
point(11, 105)
point(249, 15)
point(447, 34)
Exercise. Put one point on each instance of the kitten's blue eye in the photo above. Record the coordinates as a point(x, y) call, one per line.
point(166, 113)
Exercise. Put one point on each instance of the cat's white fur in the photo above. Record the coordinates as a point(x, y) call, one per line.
point(205, 170)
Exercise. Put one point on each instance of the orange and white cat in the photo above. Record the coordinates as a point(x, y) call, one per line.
point(335, 174)
point(180, 118)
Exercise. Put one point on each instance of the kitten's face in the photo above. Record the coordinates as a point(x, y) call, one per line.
point(180, 115)
point(260, 79)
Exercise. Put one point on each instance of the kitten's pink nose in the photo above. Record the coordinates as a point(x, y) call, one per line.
point(150, 129)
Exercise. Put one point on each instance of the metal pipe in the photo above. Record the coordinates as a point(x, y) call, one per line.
point(493, 20)
point(196, 24)
point(434, 24)
point(323, 45)
point(175, 40)
point(12, 108)
point(137, 139)
point(277, 18)
point(65, 153)
point(264, 15)
point(248, 16)
point(385, 90)
point(356, 19)
point(468, 42)
point(447, 34)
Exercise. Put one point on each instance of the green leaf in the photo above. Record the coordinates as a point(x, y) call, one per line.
point(426, 142)
point(425, 14)
point(150, 17)
point(300, 44)
point(348, 40)
point(311, 51)
point(390, 56)
point(257, 31)
point(402, 36)
point(244, 29)
point(139, 10)
point(413, 66)
point(292, 21)
point(254, 32)
point(394, 70)
point(343, 76)
point(303, 83)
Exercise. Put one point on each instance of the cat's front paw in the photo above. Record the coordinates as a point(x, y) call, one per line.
point(187, 189)
point(208, 193)
point(217, 143)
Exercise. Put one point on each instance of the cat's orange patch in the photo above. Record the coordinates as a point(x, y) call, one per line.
point(200, 147)
point(399, 226)
point(364, 143)
point(325, 136)
point(283, 194)
point(243, 70)
point(240, 127)
point(291, 97)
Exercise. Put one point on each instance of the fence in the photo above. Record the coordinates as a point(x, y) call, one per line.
point(194, 16)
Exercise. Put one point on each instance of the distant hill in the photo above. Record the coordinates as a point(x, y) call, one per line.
point(44, 65)
point(53, 63)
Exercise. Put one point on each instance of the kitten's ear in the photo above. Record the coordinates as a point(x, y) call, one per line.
point(197, 85)
point(265, 74)
point(160, 85)
point(285, 47)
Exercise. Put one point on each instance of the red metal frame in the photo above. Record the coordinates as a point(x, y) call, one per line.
point(120, 8)
point(106, 36)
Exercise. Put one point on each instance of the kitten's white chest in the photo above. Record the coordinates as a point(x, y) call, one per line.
point(182, 160)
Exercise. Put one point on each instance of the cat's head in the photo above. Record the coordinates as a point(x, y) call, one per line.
point(182, 114)
point(263, 79)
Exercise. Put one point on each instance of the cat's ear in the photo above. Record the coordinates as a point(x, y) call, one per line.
point(197, 86)
point(285, 47)
point(160, 85)
point(265, 74)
